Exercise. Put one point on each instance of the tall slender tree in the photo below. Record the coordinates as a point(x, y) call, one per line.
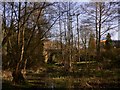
point(25, 24)
point(108, 43)
point(101, 17)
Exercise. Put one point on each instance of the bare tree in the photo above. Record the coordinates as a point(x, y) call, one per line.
point(101, 15)
point(27, 27)
point(85, 32)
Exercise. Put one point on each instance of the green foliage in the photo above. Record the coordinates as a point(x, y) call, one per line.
point(113, 56)
point(116, 58)
point(108, 43)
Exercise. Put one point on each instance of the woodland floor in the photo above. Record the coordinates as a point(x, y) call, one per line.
point(83, 76)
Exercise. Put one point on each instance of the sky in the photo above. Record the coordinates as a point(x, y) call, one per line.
point(115, 35)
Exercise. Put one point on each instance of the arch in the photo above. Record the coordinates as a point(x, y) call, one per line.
point(53, 55)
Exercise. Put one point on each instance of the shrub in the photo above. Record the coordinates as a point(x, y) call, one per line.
point(113, 55)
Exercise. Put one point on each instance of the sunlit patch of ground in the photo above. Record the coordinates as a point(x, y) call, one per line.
point(82, 77)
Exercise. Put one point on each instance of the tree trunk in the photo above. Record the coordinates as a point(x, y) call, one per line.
point(18, 77)
point(78, 42)
point(96, 30)
point(99, 34)
point(17, 74)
